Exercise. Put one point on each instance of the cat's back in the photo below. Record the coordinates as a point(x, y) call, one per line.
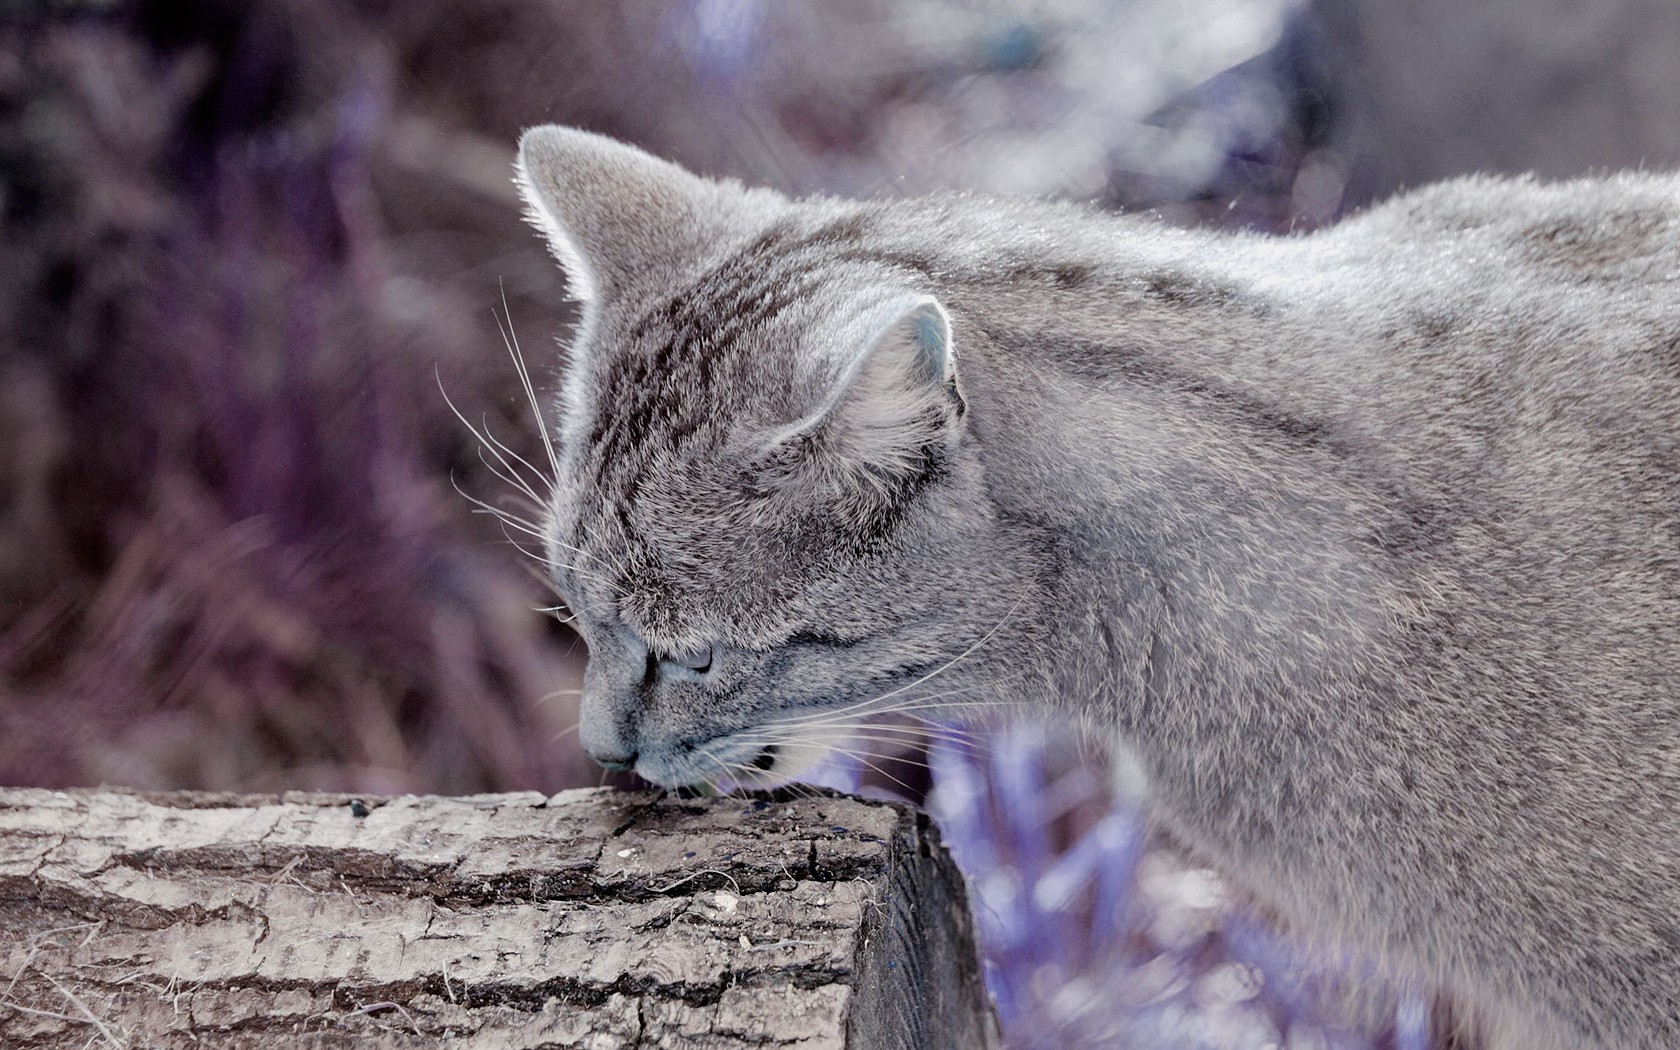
point(1511, 290)
point(1485, 329)
point(1505, 354)
point(1515, 339)
point(1485, 372)
point(1485, 268)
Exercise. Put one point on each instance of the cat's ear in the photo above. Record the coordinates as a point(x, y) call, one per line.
point(896, 399)
point(611, 213)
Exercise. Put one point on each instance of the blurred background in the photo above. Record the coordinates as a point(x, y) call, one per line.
point(247, 247)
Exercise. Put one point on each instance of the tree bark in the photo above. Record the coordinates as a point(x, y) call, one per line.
point(590, 919)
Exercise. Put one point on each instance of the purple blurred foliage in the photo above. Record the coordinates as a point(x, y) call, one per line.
point(1095, 934)
point(247, 572)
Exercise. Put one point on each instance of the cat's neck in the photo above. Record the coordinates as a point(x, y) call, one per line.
point(1207, 530)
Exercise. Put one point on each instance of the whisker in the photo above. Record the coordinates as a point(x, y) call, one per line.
point(947, 665)
point(511, 338)
point(735, 775)
point(504, 459)
point(932, 702)
point(562, 734)
point(508, 518)
point(879, 735)
point(865, 705)
point(529, 527)
point(862, 757)
point(907, 706)
point(502, 452)
point(543, 559)
point(922, 730)
point(537, 574)
point(906, 750)
point(487, 443)
point(824, 746)
point(505, 517)
point(505, 463)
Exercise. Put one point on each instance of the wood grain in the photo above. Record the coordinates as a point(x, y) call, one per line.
point(588, 919)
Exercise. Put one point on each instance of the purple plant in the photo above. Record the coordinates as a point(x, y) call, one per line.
point(1095, 935)
point(264, 581)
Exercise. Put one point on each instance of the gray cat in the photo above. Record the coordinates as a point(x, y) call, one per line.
point(1364, 544)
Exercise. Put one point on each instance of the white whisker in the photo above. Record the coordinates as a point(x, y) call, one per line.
point(501, 472)
point(505, 517)
point(929, 702)
point(485, 442)
point(511, 338)
point(570, 730)
point(543, 559)
point(861, 757)
point(871, 705)
point(503, 453)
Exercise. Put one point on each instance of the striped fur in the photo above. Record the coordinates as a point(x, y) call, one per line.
point(1365, 543)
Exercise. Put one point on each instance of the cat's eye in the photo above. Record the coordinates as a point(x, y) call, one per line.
point(698, 660)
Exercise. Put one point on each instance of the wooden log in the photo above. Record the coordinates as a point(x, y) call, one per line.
point(589, 919)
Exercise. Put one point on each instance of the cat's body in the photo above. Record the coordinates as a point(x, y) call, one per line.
point(1366, 544)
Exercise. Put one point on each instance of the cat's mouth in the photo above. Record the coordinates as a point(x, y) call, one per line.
point(763, 766)
point(744, 760)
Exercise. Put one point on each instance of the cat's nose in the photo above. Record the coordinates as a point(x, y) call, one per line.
point(610, 712)
point(609, 741)
point(608, 728)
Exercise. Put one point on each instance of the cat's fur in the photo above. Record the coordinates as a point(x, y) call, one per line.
point(1366, 544)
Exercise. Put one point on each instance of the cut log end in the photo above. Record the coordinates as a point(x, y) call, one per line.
point(589, 919)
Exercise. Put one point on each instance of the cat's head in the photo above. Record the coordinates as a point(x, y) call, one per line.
point(764, 518)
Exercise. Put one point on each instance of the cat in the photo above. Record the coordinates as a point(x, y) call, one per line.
point(1363, 544)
